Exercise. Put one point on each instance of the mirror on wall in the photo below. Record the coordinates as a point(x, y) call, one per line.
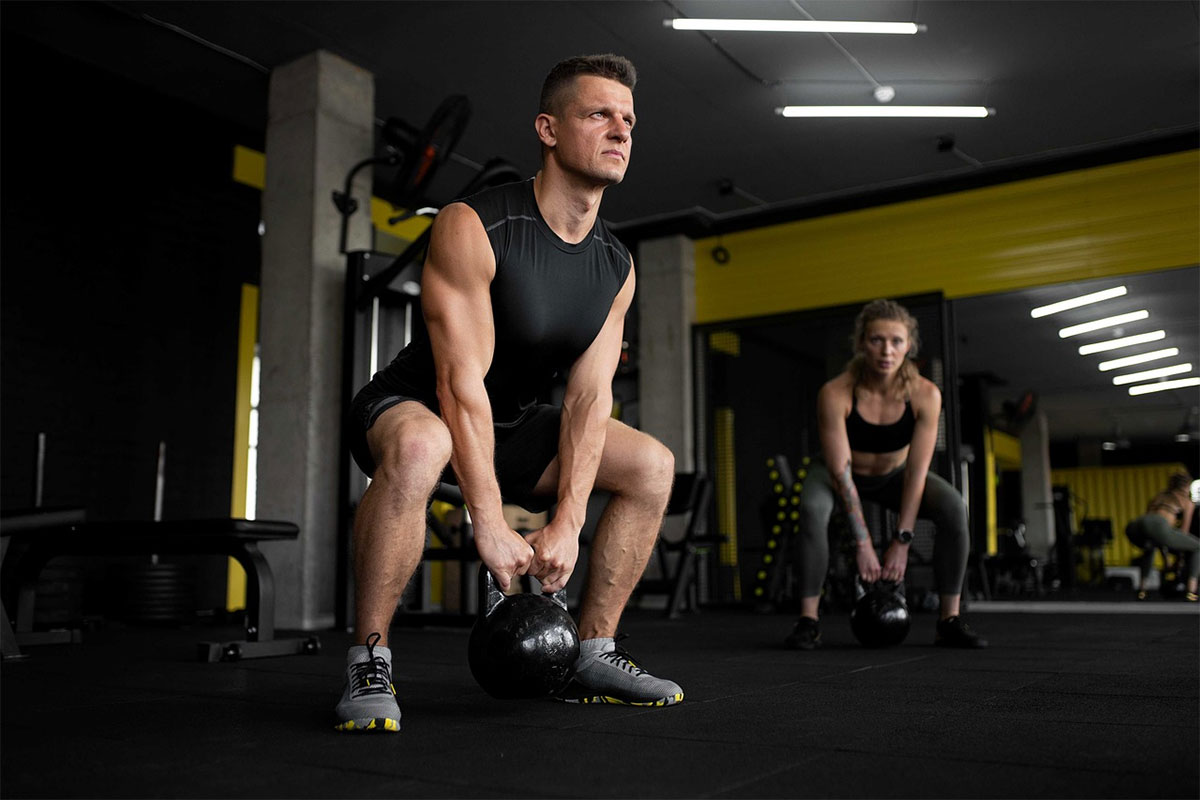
point(1028, 367)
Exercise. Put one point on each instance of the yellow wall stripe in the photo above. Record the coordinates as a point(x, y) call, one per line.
point(989, 492)
point(1117, 494)
point(1135, 216)
point(726, 485)
point(1007, 449)
point(235, 588)
point(249, 167)
point(409, 229)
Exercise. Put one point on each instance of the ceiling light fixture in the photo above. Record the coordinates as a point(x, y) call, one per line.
point(1076, 302)
point(1129, 361)
point(1126, 341)
point(792, 26)
point(886, 111)
point(1098, 324)
point(1163, 386)
point(1161, 372)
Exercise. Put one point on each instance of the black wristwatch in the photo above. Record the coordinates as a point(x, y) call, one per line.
point(904, 537)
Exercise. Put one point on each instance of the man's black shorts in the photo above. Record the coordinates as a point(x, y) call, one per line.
point(524, 447)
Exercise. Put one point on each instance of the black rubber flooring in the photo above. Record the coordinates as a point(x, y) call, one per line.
point(1078, 705)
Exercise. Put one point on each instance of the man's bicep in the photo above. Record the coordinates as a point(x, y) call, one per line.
point(455, 288)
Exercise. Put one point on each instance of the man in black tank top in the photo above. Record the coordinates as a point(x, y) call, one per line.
point(522, 282)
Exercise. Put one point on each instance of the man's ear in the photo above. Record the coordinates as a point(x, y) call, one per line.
point(544, 125)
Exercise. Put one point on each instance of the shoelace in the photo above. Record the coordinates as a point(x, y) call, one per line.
point(372, 676)
point(620, 658)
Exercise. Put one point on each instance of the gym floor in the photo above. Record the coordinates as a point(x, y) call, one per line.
point(1093, 704)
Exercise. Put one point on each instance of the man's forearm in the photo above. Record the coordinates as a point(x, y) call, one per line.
point(581, 442)
point(844, 483)
point(468, 415)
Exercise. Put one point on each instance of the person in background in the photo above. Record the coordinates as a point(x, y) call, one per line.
point(878, 423)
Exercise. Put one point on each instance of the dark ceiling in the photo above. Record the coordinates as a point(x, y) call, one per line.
point(1065, 78)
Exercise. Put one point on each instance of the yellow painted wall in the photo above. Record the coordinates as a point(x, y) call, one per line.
point(1001, 451)
point(1135, 216)
point(1118, 494)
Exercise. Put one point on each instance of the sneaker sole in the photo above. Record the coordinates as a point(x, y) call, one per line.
point(603, 699)
point(370, 725)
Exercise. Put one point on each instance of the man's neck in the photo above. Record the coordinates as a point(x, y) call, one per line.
point(568, 206)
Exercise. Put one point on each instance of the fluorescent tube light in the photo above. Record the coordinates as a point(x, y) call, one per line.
point(1107, 322)
point(1076, 302)
point(791, 26)
point(1161, 372)
point(885, 111)
point(1129, 361)
point(1163, 386)
point(1125, 341)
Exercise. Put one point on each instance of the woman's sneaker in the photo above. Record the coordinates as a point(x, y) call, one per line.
point(369, 700)
point(805, 636)
point(605, 673)
point(953, 632)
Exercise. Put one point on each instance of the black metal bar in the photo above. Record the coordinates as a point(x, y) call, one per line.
point(346, 204)
point(342, 584)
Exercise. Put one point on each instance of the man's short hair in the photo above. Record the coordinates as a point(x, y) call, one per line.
point(604, 65)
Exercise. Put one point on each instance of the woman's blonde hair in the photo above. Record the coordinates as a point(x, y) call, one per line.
point(1179, 482)
point(892, 311)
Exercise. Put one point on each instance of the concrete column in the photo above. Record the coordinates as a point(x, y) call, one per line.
point(1037, 500)
point(666, 274)
point(320, 123)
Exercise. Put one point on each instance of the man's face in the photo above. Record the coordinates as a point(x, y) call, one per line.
point(593, 133)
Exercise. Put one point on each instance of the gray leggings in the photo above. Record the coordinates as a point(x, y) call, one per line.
point(940, 503)
point(1153, 530)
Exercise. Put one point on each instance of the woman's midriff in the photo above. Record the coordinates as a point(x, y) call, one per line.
point(877, 463)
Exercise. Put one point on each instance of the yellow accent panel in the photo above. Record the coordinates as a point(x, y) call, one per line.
point(1007, 450)
point(726, 485)
point(249, 167)
point(235, 587)
point(409, 229)
point(1136, 216)
point(728, 342)
point(1118, 494)
point(989, 493)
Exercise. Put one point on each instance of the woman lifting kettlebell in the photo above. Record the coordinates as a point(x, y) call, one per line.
point(878, 423)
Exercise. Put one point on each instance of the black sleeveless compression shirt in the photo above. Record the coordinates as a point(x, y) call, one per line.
point(549, 301)
point(866, 437)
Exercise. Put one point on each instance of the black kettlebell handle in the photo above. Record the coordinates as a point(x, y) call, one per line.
point(490, 595)
point(861, 587)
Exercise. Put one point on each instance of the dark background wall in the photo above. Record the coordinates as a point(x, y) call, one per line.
point(125, 244)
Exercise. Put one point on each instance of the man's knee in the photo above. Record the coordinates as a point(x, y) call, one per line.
point(653, 472)
point(413, 453)
point(660, 468)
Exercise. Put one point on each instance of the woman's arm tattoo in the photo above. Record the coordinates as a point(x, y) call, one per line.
point(850, 501)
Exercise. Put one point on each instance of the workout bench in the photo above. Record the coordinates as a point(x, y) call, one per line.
point(37, 537)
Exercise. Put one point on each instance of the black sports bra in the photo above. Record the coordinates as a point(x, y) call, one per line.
point(868, 438)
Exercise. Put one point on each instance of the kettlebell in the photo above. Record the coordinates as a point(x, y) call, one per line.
point(523, 645)
point(880, 614)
